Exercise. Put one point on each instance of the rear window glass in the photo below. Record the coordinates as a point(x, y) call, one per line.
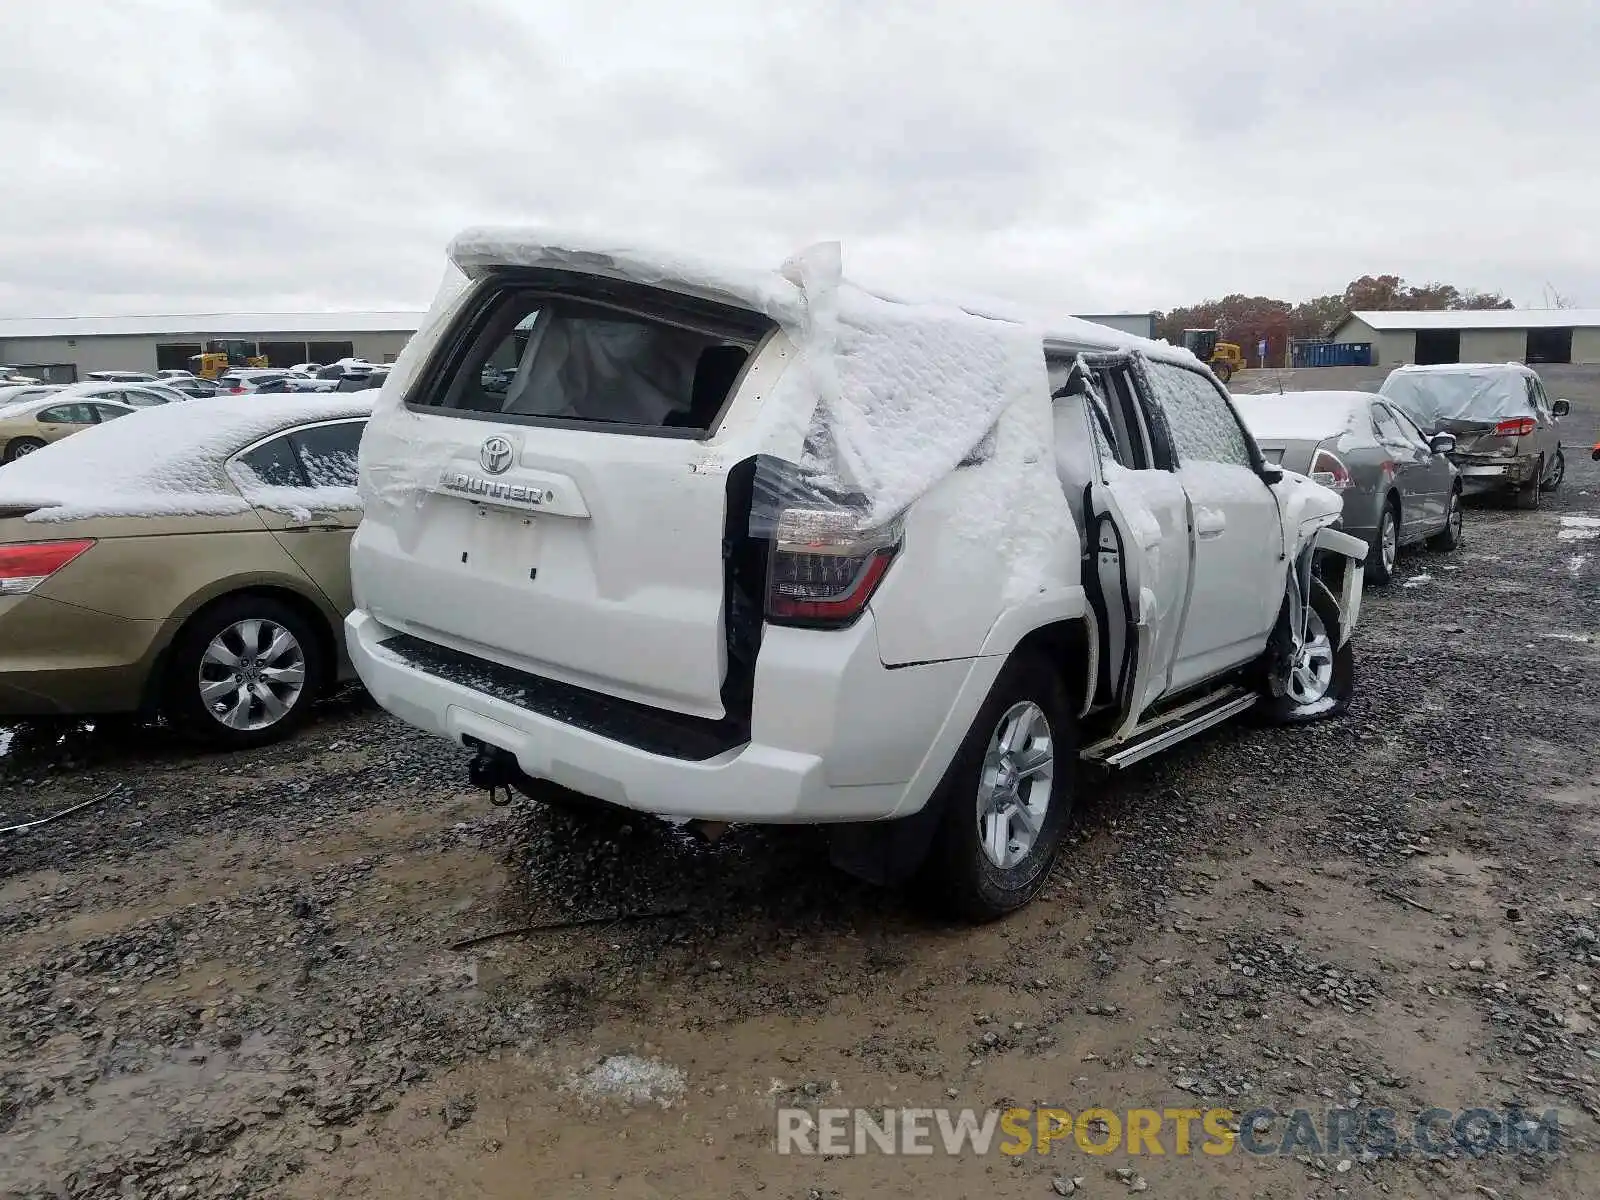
point(566, 361)
point(328, 453)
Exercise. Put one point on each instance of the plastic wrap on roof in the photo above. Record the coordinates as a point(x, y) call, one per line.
point(1488, 394)
point(886, 396)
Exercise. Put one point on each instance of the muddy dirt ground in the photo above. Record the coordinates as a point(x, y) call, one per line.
point(256, 975)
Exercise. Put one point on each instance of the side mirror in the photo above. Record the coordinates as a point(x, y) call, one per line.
point(1561, 407)
point(1270, 473)
point(1442, 443)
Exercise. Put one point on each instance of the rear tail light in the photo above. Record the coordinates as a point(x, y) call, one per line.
point(1328, 469)
point(825, 568)
point(1516, 427)
point(236, 391)
point(25, 567)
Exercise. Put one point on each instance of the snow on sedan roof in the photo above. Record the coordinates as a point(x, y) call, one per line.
point(1304, 416)
point(1477, 392)
point(162, 461)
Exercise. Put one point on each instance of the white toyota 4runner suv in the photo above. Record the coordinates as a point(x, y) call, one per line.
point(733, 545)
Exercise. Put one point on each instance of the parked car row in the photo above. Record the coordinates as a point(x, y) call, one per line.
point(734, 546)
point(1404, 458)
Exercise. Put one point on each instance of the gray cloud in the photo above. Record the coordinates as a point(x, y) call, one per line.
point(212, 154)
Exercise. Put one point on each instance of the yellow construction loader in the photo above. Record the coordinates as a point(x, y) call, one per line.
point(1224, 358)
point(215, 358)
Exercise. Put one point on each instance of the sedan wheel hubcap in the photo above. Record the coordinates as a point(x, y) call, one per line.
point(252, 674)
point(1014, 789)
point(1311, 671)
point(1390, 541)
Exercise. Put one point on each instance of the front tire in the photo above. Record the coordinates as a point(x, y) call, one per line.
point(1006, 797)
point(1385, 551)
point(244, 673)
point(1320, 679)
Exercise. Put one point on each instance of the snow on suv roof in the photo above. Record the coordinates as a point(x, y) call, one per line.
point(779, 293)
point(162, 461)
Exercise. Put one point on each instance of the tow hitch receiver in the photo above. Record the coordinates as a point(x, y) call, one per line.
point(496, 771)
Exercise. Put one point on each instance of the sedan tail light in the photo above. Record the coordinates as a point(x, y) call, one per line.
point(1516, 427)
point(825, 568)
point(1328, 469)
point(25, 567)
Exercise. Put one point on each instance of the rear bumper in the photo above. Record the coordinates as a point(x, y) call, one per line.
point(1483, 474)
point(835, 736)
point(61, 660)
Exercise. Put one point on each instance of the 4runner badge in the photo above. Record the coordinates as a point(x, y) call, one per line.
point(496, 454)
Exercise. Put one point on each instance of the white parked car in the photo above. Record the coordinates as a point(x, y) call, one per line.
point(118, 377)
point(734, 545)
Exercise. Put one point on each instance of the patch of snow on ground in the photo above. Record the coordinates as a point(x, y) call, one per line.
point(1579, 529)
point(1418, 580)
point(1575, 564)
point(634, 1079)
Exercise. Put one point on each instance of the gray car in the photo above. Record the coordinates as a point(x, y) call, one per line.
point(1399, 485)
point(1507, 440)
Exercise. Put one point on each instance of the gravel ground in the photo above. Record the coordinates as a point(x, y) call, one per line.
point(246, 975)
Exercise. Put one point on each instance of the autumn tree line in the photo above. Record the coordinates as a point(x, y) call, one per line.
point(1248, 319)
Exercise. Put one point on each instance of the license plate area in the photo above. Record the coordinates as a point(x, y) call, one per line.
point(487, 542)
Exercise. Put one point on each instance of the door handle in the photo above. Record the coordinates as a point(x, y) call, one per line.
point(1210, 522)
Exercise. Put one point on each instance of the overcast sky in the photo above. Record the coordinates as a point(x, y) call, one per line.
point(215, 155)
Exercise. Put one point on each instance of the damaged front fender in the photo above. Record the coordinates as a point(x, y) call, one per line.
point(1334, 541)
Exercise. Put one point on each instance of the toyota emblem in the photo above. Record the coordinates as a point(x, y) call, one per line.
point(496, 454)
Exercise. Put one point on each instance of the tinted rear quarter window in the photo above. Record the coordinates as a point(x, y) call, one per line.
point(274, 464)
point(328, 453)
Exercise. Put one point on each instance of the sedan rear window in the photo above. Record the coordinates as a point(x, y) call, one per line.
point(563, 361)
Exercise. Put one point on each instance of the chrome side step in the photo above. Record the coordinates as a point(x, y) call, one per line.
point(1170, 728)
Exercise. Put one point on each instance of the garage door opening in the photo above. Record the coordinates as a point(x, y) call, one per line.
point(175, 356)
point(1549, 345)
point(1436, 346)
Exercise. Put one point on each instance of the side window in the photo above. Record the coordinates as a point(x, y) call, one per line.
point(139, 398)
point(328, 453)
point(1199, 418)
point(1390, 430)
point(1407, 425)
point(274, 464)
point(109, 412)
point(68, 414)
point(1540, 404)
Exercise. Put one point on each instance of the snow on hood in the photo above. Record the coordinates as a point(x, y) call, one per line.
point(1485, 392)
point(1304, 416)
point(886, 394)
point(165, 461)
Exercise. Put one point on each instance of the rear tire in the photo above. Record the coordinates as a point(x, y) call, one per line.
point(17, 447)
point(1558, 472)
point(1385, 549)
point(1298, 704)
point(240, 714)
point(1222, 371)
point(1528, 495)
point(1004, 804)
point(1449, 537)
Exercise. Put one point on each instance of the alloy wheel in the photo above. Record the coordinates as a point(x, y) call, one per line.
point(1389, 540)
point(1311, 669)
point(252, 674)
point(1014, 789)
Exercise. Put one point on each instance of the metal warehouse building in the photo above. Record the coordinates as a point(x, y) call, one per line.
point(1530, 335)
point(63, 349)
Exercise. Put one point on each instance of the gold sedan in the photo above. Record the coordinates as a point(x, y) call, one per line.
point(36, 422)
point(192, 561)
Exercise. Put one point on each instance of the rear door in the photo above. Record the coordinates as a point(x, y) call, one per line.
point(311, 472)
point(1136, 543)
point(1239, 564)
point(570, 502)
point(59, 420)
